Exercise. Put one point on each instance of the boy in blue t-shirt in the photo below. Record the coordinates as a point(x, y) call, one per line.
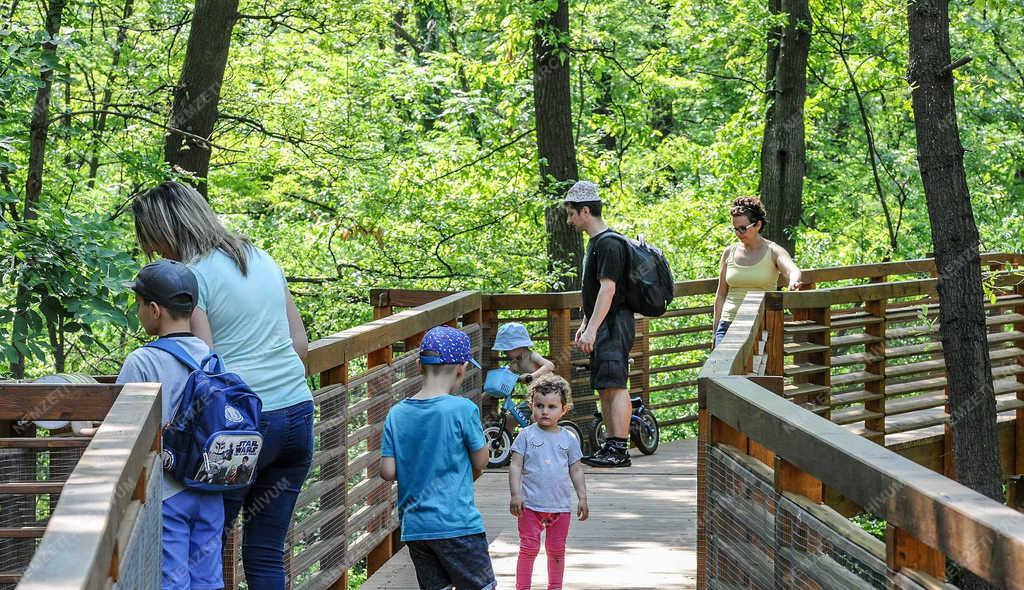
point(433, 445)
point(193, 521)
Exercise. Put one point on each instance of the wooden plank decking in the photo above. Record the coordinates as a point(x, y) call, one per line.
point(642, 531)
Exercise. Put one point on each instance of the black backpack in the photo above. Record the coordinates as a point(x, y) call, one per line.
point(649, 286)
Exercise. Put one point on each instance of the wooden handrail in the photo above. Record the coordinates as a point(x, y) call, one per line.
point(982, 535)
point(739, 343)
point(56, 401)
point(338, 349)
point(80, 543)
point(572, 299)
point(820, 298)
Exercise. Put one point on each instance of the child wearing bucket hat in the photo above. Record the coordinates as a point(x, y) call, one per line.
point(515, 342)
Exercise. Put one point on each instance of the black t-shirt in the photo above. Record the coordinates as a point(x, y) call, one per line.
point(606, 259)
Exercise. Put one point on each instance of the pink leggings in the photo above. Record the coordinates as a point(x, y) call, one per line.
point(530, 526)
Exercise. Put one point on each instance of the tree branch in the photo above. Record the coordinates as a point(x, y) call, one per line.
point(958, 63)
point(405, 36)
point(490, 153)
point(123, 115)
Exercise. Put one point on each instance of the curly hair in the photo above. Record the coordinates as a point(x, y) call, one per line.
point(552, 384)
point(751, 208)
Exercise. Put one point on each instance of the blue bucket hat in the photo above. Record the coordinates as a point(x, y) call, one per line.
point(446, 346)
point(512, 336)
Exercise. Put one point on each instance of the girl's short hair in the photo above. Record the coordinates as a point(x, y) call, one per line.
point(552, 384)
point(175, 216)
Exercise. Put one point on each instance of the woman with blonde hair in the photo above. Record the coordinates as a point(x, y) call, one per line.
point(752, 264)
point(245, 313)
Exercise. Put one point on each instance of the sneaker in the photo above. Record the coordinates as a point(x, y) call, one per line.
point(600, 452)
point(609, 457)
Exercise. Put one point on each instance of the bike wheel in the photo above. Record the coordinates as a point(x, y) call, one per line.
point(573, 429)
point(646, 435)
point(598, 434)
point(499, 445)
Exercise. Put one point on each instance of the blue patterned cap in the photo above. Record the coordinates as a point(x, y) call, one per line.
point(446, 346)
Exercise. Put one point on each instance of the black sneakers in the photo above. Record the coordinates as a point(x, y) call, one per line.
point(608, 456)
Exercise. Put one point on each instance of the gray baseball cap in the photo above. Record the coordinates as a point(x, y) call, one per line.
point(169, 283)
point(582, 192)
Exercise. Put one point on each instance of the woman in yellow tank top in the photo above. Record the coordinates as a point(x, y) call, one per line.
point(752, 264)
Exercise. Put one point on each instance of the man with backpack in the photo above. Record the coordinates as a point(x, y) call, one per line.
point(195, 405)
point(608, 329)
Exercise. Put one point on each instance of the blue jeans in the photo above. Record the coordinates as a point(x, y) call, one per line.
point(269, 502)
point(720, 332)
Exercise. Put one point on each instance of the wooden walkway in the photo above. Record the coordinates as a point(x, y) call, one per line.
point(642, 531)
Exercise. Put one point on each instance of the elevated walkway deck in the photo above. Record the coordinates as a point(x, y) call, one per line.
point(642, 531)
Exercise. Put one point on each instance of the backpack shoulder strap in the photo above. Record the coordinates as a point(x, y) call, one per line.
point(174, 349)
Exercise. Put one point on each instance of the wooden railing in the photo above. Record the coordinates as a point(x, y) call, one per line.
point(105, 528)
point(860, 354)
point(784, 532)
point(345, 512)
point(670, 350)
point(869, 357)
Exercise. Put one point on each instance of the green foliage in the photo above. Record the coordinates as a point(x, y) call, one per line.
point(871, 524)
point(371, 143)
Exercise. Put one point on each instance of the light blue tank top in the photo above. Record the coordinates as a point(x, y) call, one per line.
point(249, 320)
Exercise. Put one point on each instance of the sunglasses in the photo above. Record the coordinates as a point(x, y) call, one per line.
point(743, 228)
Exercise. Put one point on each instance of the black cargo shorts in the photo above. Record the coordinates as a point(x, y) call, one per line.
point(609, 362)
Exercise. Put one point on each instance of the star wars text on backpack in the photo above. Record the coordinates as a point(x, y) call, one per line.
point(213, 441)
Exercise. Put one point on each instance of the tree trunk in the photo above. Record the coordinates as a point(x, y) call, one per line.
point(108, 93)
point(34, 181)
point(555, 147)
point(198, 92)
point(783, 151)
point(955, 239)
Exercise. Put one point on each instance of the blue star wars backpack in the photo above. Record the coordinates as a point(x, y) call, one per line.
point(212, 441)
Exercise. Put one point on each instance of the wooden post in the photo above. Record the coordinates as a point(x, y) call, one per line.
point(1018, 427)
point(643, 361)
point(903, 550)
point(876, 367)
point(703, 436)
point(775, 352)
point(336, 528)
point(561, 342)
point(721, 432)
point(382, 356)
point(789, 478)
point(822, 316)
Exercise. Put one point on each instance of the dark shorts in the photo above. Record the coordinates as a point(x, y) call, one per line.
point(609, 363)
point(462, 562)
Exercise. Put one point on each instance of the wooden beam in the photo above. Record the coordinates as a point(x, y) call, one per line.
point(50, 401)
point(353, 343)
point(22, 532)
point(49, 442)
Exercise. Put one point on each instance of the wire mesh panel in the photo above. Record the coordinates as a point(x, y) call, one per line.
point(139, 560)
point(27, 466)
point(740, 525)
point(759, 539)
point(345, 509)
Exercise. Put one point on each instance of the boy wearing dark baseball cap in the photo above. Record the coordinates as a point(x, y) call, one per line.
point(193, 521)
point(433, 445)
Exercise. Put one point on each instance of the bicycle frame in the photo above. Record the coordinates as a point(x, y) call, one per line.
point(509, 407)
